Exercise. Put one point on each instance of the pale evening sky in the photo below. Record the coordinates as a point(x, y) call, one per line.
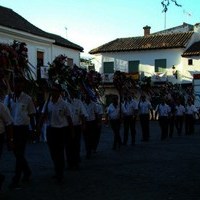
point(91, 23)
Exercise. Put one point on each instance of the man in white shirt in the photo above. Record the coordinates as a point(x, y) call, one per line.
point(144, 109)
point(5, 128)
point(129, 110)
point(59, 126)
point(190, 112)
point(79, 115)
point(23, 112)
point(114, 115)
point(163, 112)
point(90, 125)
point(179, 116)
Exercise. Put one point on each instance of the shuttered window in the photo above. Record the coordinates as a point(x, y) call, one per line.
point(108, 67)
point(160, 65)
point(133, 66)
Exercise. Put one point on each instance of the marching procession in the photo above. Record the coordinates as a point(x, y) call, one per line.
point(72, 112)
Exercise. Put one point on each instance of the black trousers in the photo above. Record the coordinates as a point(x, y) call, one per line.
point(73, 146)
point(129, 124)
point(20, 137)
point(55, 141)
point(179, 124)
point(144, 121)
point(115, 125)
point(89, 136)
point(189, 124)
point(171, 125)
point(163, 122)
point(1, 146)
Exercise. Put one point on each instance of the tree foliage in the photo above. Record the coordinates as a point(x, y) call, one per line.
point(166, 3)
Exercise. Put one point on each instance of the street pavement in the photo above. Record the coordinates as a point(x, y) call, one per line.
point(155, 170)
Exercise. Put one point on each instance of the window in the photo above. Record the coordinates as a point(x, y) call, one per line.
point(40, 62)
point(190, 62)
point(133, 66)
point(108, 67)
point(160, 65)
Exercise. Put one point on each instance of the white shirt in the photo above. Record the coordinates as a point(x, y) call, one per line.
point(21, 108)
point(57, 113)
point(78, 110)
point(91, 110)
point(180, 110)
point(129, 107)
point(99, 109)
point(5, 118)
point(144, 107)
point(190, 109)
point(163, 110)
point(113, 113)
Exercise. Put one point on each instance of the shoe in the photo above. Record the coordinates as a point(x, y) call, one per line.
point(2, 179)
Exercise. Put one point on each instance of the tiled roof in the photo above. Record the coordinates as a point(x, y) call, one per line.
point(193, 50)
point(150, 42)
point(10, 19)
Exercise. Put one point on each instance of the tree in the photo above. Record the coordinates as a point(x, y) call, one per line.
point(165, 4)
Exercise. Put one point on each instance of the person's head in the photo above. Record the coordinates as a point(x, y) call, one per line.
point(143, 97)
point(19, 84)
point(87, 99)
point(162, 100)
point(115, 99)
point(56, 90)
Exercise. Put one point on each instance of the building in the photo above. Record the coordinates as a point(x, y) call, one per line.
point(42, 46)
point(170, 55)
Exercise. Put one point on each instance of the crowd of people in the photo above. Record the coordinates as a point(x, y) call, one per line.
point(63, 122)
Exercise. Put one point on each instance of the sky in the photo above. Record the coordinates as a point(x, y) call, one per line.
point(92, 23)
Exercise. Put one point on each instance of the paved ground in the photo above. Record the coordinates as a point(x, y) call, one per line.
point(167, 170)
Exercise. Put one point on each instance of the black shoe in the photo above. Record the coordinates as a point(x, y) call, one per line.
point(2, 179)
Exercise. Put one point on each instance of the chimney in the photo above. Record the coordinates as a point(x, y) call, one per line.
point(147, 30)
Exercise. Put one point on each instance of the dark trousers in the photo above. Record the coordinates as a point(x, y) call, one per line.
point(20, 137)
point(189, 124)
point(97, 135)
point(129, 124)
point(89, 136)
point(163, 122)
point(115, 125)
point(1, 146)
point(144, 121)
point(73, 147)
point(55, 141)
point(171, 125)
point(179, 124)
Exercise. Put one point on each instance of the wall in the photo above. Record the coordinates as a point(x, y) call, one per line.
point(35, 43)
